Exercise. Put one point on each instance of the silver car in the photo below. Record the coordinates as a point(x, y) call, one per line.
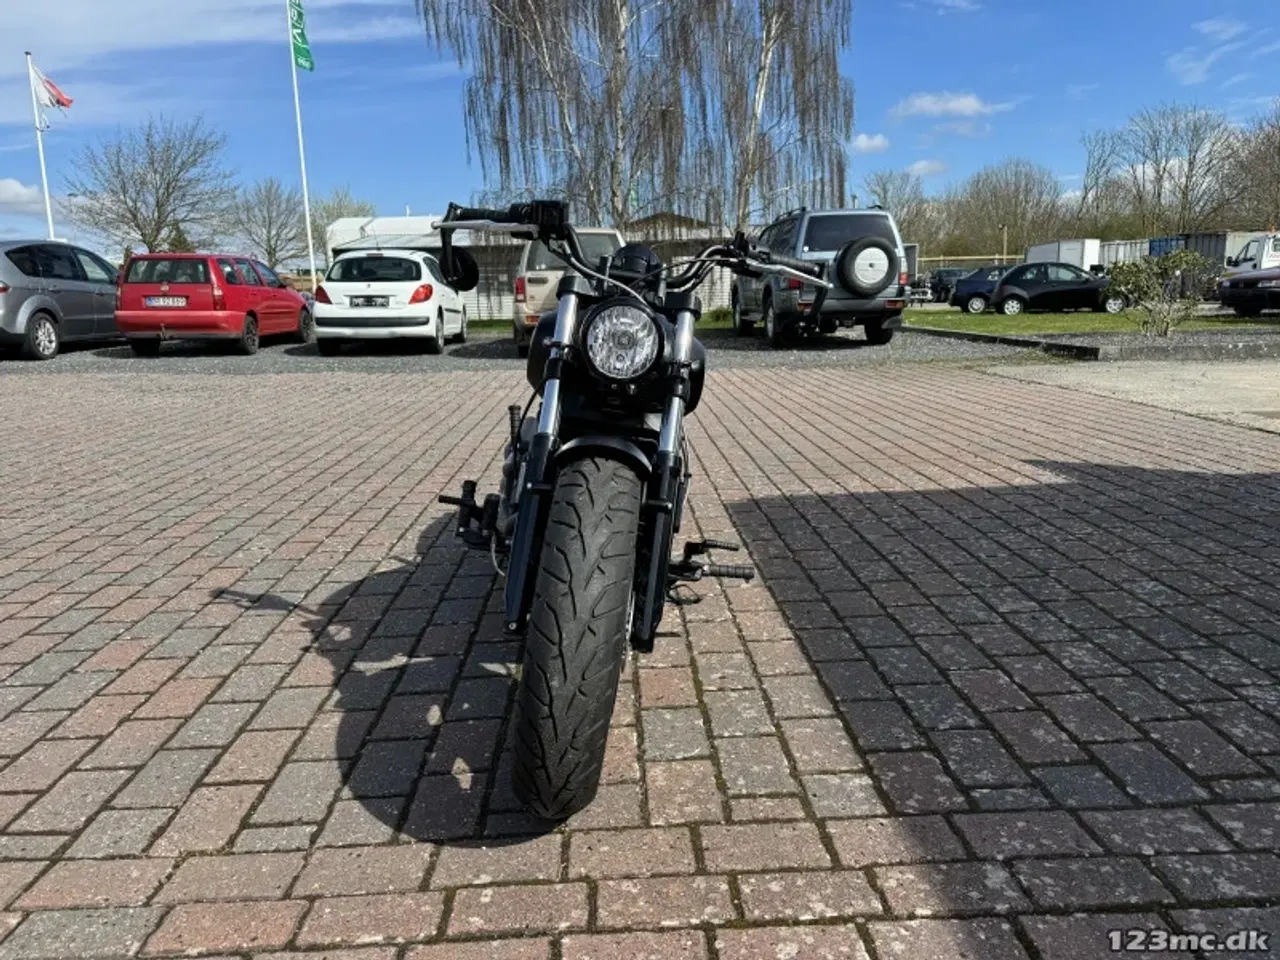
point(53, 292)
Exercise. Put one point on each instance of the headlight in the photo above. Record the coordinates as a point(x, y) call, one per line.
point(622, 342)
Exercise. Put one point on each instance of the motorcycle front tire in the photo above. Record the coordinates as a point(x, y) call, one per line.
point(577, 636)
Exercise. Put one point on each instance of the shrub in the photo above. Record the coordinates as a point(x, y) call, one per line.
point(1164, 291)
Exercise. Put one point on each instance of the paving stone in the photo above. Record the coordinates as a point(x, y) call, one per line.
point(1136, 699)
point(255, 755)
point(1010, 798)
point(1087, 718)
point(119, 833)
point(1210, 878)
point(630, 853)
point(737, 713)
point(384, 918)
point(59, 934)
point(71, 803)
point(977, 759)
point(301, 793)
point(807, 896)
point(96, 883)
point(755, 765)
point(881, 725)
point(673, 734)
point(916, 783)
point(14, 878)
point(1001, 836)
point(990, 690)
point(642, 903)
point(742, 847)
point(521, 909)
point(681, 945)
point(536, 859)
point(523, 948)
point(938, 707)
point(982, 939)
point(1201, 750)
point(1254, 826)
point(949, 889)
point(797, 696)
point(1035, 738)
point(1080, 786)
point(1084, 936)
point(837, 942)
point(1083, 883)
point(1148, 774)
point(210, 927)
point(257, 876)
point(363, 870)
point(1149, 831)
point(820, 745)
point(207, 821)
point(854, 680)
point(167, 779)
point(842, 795)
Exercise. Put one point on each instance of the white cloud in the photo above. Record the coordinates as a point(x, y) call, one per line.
point(1273, 47)
point(19, 199)
point(927, 168)
point(1235, 80)
point(875, 143)
point(1220, 31)
point(1192, 65)
point(947, 105)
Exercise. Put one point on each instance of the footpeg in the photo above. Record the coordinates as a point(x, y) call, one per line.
point(476, 522)
point(689, 569)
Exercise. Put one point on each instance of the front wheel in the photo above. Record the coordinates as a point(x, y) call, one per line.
point(741, 325)
point(577, 639)
point(975, 305)
point(461, 335)
point(1112, 305)
point(306, 326)
point(247, 342)
point(1012, 307)
point(877, 333)
point(775, 330)
point(42, 341)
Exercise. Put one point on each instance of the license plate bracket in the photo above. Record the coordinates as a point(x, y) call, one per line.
point(166, 301)
point(370, 301)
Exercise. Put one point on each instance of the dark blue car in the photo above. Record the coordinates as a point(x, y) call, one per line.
point(972, 293)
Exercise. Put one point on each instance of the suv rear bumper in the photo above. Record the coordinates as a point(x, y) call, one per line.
point(842, 308)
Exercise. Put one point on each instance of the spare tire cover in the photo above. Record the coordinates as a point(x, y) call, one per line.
point(867, 267)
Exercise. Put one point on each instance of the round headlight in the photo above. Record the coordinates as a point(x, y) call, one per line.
point(622, 342)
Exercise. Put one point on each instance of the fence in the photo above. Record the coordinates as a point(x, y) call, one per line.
point(933, 263)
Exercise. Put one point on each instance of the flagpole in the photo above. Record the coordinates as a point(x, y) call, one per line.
point(44, 174)
point(302, 150)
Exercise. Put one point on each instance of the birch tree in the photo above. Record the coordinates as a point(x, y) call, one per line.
point(635, 107)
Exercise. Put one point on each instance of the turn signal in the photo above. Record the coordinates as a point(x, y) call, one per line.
point(520, 290)
point(322, 295)
point(422, 294)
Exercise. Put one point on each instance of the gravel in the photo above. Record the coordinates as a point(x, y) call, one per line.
point(489, 351)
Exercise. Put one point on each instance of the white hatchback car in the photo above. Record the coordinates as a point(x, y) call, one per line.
point(387, 294)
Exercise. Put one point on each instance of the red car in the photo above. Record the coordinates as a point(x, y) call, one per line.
point(206, 296)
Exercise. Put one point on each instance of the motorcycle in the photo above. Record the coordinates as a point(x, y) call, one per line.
point(593, 487)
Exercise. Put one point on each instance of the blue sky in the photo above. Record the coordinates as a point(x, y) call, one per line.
point(943, 86)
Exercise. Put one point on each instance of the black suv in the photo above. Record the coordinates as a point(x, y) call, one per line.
point(866, 263)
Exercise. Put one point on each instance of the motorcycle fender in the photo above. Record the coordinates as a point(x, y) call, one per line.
point(624, 450)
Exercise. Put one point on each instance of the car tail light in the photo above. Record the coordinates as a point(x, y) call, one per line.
point(422, 294)
point(520, 290)
point(794, 284)
point(219, 301)
point(322, 295)
point(902, 279)
point(4, 288)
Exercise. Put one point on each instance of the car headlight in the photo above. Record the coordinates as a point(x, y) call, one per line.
point(622, 342)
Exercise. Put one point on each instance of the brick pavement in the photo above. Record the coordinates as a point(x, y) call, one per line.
point(1009, 681)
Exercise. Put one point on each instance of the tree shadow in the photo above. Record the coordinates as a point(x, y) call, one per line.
point(424, 683)
point(1082, 668)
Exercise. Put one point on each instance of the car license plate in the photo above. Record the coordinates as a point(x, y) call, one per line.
point(369, 301)
point(166, 301)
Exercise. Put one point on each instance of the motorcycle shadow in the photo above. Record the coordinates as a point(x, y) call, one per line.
point(423, 683)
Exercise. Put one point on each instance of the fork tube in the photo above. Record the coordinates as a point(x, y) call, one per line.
point(566, 325)
point(673, 419)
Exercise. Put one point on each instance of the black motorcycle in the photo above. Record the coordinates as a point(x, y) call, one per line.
point(594, 486)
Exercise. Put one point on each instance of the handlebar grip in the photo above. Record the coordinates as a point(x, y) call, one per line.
point(730, 571)
point(800, 266)
point(483, 213)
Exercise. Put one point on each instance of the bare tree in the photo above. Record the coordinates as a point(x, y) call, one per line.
point(777, 112)
point(1256, 166)
point(631, 106)
point(268, 217)
point(1019, 194)
point(340, 203)
point(136, 186)
point(921, 219)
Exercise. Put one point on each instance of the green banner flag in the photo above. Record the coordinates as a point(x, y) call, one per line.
point(298, 35)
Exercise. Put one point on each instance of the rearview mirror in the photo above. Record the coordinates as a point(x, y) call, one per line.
point(1232, 262)
point(462, 273)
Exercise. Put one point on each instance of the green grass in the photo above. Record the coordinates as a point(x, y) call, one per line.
point(1028, 324)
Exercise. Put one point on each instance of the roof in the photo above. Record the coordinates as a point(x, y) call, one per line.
point(430, 251)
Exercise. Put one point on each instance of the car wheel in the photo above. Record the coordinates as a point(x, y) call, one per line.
point(1114, 305)
point(741, 325)
point(435, 345)
point(773, 328)
point(461, 336)
point(306, 326)
point(145, 348)
point(976, 305)
point(1013, 306)
point(828, 325)
point(877, 333)
point(42, 341)
point(329, 347)
point(248, 342)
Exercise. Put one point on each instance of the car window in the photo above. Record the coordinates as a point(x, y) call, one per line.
point(1275, 245)
point(250, 277)
point(766, 237)
point(594, 246)
point(228, 271)
point(95, 269)
point(830, 231)
point(995, 274)
point(1032, 274)
point(268, 274)
point(375, 269)
point(1061, 273)
point(167, 270)
point(58, 263)
point(433, 268)
point(24, 258)
point(784, 240)
point(1250, 251)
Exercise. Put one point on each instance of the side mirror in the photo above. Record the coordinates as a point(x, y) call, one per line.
point(1232, 262)
point(462, 272)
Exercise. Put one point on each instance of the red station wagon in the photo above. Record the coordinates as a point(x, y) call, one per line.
point(206, 296)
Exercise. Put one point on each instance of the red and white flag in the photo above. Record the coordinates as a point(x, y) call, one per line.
point(47, 95)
